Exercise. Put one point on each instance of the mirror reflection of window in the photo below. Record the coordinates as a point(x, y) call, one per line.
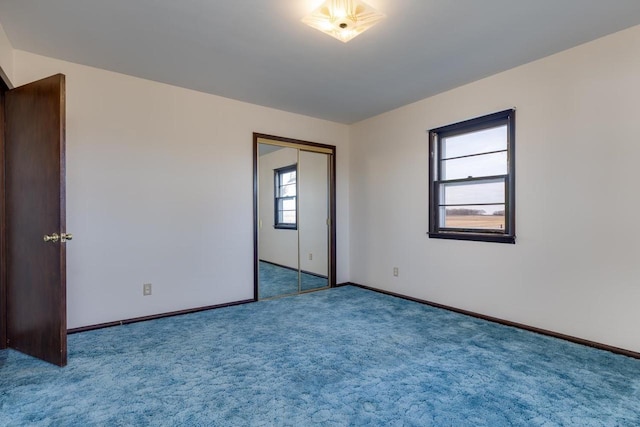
point(286, 190)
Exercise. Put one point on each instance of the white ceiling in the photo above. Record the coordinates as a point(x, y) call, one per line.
point(258, 51)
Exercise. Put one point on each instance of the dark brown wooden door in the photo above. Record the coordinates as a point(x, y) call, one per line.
point(35, 207)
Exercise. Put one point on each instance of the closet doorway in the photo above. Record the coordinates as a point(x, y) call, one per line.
point(294, 216)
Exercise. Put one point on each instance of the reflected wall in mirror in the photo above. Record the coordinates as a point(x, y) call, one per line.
point(294, 208)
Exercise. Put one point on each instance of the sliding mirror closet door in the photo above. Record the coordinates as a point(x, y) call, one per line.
point(294, 205)
point(314, 220)
point(278, 221)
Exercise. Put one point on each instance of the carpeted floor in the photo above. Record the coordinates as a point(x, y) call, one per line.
point(338, 357)
point(277, 281)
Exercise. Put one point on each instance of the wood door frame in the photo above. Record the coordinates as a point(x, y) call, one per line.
point(5, 85)
point(332, 201)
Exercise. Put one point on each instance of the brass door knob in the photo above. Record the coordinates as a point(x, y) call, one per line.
point(51, 237)
point(65, 237)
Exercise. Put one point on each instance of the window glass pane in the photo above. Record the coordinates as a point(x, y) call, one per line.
point(288, 178)
point(476, 166)
point(469, 193)
point(288, 190)
point(482, 141)
point(483, 217)
point(289, 217)
point(287, 204)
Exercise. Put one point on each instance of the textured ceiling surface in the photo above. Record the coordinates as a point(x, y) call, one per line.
point(258, 51)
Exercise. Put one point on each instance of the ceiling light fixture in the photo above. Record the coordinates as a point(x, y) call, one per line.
point(343, 19)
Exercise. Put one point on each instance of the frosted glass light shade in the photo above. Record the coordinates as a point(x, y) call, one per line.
point(343, 19)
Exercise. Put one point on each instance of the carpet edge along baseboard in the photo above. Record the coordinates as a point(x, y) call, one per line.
point(546, 332)
point(155, 316)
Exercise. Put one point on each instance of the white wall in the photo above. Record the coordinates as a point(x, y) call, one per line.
point(575, 268)
point(6, 55)
point(159, 190)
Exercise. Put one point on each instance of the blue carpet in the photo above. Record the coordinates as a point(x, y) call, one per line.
point(339, 357)
point(278, 281)
point(310, 282)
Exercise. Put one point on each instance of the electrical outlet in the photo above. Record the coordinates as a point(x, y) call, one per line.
point(146, 289)
point(310, 257)
point(395, 271)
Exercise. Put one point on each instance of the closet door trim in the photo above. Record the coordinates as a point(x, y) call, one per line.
point(260, 138)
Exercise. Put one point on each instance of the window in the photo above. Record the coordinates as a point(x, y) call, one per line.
point(472, 179)
point(286, 190)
